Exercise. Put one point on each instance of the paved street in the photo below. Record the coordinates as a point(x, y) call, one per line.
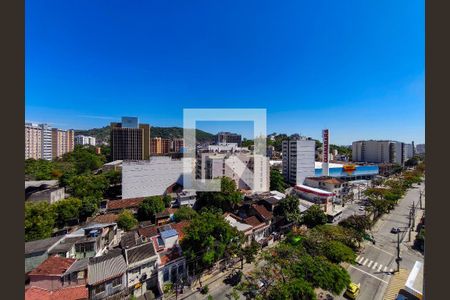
point(375, 262)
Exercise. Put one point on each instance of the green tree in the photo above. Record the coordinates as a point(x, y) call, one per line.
point(89, 206)
point(360, 223)
point(314, 216)
point(67, 210)
point(226, 200)
point(277, 181)
point(88, 186)
point(126, 220)
point(184, 213)
point(288, 208)
point(337, 252)
point(296, 289)
point(84, 159)
point(39, 220)
point(149, 208)
point(250, 252)
point(167, 200)
point(207, 238)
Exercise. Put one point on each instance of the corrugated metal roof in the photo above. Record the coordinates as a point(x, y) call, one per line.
point(168, 233)
point(106, 267)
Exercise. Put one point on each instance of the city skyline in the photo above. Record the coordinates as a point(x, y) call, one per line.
point(359, 74)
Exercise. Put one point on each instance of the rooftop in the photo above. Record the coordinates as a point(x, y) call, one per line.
point(106, 267)
point(262, 211)
point(69, 293)
point(41, 245)
point(124, 203)
point(106, 218)
point(327, 179)
point(253, 221)
point(54, 265)
point(307, 189)
point(38, 183)
point(234, 221)
point(139, 253)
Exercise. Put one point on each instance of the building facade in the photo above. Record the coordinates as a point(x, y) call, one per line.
point(298, 160)
point(375, 151)
point(85, 140)
point(249, 171)
point(63, 141)
point(177, 145)
point(150, 178)
point(38, 141)
point(130, 140)
point(228, 137)
point(160, 146)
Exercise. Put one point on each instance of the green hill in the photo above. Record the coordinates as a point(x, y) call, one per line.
point(103, 134)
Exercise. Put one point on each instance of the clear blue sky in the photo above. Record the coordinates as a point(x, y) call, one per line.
point(355, 67)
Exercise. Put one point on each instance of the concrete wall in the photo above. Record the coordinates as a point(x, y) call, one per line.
point(150, 178)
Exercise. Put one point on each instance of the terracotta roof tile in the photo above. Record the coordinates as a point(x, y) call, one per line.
point(179, 227)
point(253, 221)
point(148, 231)
point(69, 293)
point(54, 265)
point(124, 203)
point(263, 212)
point(105, 219)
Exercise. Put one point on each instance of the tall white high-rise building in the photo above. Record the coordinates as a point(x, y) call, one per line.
point(298, 160)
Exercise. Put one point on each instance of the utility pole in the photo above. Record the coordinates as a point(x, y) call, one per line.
point(398, 259)
point(420, 199)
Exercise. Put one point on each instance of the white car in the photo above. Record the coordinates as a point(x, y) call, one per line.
point(361, 208)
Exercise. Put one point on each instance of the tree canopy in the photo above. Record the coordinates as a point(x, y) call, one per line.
point(288, 208)
point(277, 181)
point(39, 220)
point(184, 213)
point(226, 200)
point(150, 207)
point(208, 237)
point(67, 210)
point(126, 220)
point(314, 216)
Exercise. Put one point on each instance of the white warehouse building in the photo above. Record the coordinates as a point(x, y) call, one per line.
point(150, 177)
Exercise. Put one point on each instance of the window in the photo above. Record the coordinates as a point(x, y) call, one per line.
point(180, 270)
point(117, 281)
point(100, 288)
point(166, 275)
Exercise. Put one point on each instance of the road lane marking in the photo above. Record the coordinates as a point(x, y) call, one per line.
point(382, 250)
point(365, 262)
point(379, 268)
point(357, 257)
point(385, 269)
point(360, 260)
point(371, 262)
point(367, 273)
point(374, 266)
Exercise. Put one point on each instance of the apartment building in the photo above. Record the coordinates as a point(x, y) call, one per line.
point(381, 151)
point(177, 145)
point(298, 160)
point(38, 141)
point(130, 140)
point(160, 146)
point(249, 171)
point(228, 137)
point(62, 142)
point(85, 140)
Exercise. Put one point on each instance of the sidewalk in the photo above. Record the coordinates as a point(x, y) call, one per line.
point(396, 283)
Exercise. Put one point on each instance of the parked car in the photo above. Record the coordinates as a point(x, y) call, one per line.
point(395, 230)
point(353, 290)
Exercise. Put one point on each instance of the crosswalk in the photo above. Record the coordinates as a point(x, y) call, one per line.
point(373, 265)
